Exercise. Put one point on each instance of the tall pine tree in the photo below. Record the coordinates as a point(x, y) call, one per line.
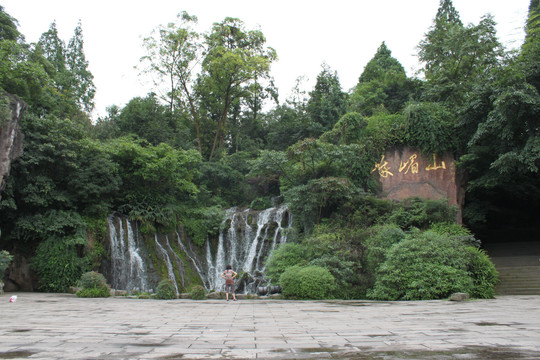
point(327, 102)
point(382, 87)
point(82, 84)
point(71, 75)
point(530, 51)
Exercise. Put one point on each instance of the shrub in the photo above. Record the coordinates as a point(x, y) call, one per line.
point(261, 203)
point(165, 290)
point(5, 259)
point(5, 111)
point(339, 249)
point(423, 266)
point(452, 229)
point(483, 273)
point(419, 213)
point(283, 257)
point(93, 293)
point(378, 244)
point(198, 293)
point(348, 280)
point(456, 231)
point(201, 222)
point(369, 210)
point(93, 285)
point(92, 279)
point(309, 282)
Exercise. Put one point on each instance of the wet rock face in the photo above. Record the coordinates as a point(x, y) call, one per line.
point(19, 276)
point(11, 113)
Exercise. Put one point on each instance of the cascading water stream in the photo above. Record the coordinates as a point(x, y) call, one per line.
point(193, 259)
point(170, 268)
point(262, 220)
point(245, 245)
point(128, 270)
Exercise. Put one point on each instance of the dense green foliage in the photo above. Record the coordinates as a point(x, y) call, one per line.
point(5, 260)
point(383, 87)
point(200, 142)
point(93, 293)
point(58, 264)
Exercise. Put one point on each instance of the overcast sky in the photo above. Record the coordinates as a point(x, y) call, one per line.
point(345, 34)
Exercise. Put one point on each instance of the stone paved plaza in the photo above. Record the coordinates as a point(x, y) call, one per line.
point(62, 326)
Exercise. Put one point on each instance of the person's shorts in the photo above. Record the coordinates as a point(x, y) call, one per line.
point(230, 288)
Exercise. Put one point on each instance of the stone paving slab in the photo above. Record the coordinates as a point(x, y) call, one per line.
point(62, 326)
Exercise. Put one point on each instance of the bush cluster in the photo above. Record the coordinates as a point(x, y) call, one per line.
point(424, 265)
point(409, 250)
point(198, 293)
point(285, 256)
point(307, 282)
point(483, 273)
point(165, 290)
point(93, 284)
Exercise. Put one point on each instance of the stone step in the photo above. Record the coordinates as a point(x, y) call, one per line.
point(518, 266)
point(516, 261)
point(517, 291)
point(515, 248)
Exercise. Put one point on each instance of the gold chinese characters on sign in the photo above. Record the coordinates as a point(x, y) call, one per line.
point(411, 165)
point(383, 168)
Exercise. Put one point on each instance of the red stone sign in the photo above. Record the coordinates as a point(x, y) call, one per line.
point(405, 173)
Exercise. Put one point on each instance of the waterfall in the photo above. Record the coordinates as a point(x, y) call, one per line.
point(245, 240)
point(193, 259)
point(128, 269)
point(165, 256)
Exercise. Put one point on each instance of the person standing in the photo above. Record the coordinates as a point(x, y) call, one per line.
point(229, 276)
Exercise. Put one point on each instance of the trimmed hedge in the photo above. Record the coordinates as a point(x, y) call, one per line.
point(307, 283)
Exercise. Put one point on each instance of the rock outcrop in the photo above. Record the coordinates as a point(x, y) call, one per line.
point(406, 172)
point(12, 108)
point(11, 113)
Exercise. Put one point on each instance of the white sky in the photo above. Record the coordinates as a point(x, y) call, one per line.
point(345, 34)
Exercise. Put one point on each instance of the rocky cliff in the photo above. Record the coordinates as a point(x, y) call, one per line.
point(11, 138)
point(11, 113)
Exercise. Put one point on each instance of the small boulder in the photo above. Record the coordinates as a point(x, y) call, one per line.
point(459, 297)
point(120, 293)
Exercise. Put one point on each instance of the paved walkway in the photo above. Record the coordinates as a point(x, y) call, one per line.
point(61, 326)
